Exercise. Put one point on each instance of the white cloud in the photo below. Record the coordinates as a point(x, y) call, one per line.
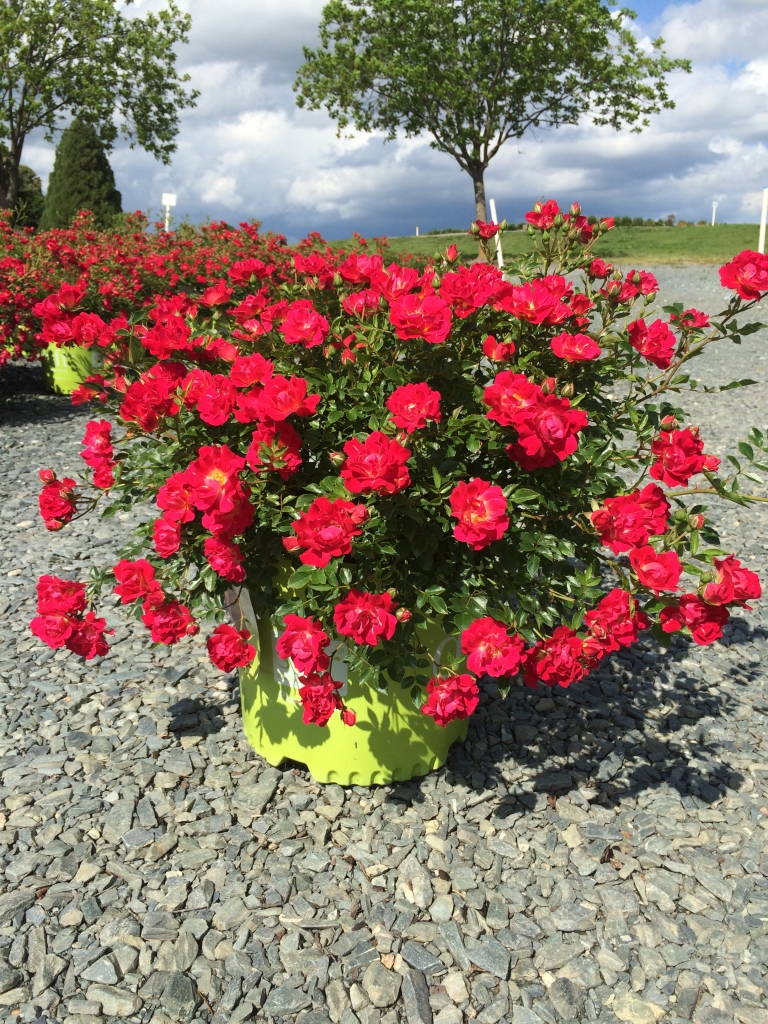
point(246, 151)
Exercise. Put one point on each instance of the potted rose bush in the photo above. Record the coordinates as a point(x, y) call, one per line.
point(373, 486)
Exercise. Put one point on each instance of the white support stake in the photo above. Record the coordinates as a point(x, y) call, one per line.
point(763, 218)
point(714, 208)
point(169, 200)
point(495, 220)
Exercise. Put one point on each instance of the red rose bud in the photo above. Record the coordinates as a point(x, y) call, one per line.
point(548, 386)
point(697, 521)
point(567, 390)
point(337, 459)
point(558, 221)
point(46, 475)
point(669, 422)
point(575, 210)
point(452, 253)
point(348, 716)
point(403, 615)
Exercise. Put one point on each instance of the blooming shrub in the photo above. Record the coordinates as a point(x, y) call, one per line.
point(368, 448)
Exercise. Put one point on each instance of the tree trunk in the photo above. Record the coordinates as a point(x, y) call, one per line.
point(481, 212)
point(9, 178)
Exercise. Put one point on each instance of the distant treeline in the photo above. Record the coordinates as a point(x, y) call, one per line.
point(670, 221)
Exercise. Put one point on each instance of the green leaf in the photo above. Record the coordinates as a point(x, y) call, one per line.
point(524, 494)
point(746, 450)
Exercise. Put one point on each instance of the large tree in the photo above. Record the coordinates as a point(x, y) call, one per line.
point(86, 57)
point(82, 179)
point(475, 73)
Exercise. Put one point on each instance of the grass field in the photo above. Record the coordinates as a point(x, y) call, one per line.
point(704, 244)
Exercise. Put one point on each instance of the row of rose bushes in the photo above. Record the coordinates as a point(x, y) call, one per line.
point(118, 273)
point(400, 446)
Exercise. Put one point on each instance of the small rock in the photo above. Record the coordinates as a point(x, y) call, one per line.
point(416, 998)
point(632, 1008)
point(416, 882)
point(573, 918)
point(103, 971)
point(282, 1001)
point(456, 987)
point(380, 985)
point(567, 998)
point(50, 968)
point(115, 1002)
point(179, 998)
point(442, 909)
point(492, 957)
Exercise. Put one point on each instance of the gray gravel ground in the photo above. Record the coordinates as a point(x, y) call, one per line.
point(598, 854)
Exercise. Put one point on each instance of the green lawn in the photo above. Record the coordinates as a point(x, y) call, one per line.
point(694, 244)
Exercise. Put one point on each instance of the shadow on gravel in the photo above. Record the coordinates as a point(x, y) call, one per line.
point(529, 747)
point(23, 399)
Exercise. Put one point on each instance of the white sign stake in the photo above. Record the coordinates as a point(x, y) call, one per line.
point(495, 220)
point(714, 207)
point(169, 200)
point(763, 218)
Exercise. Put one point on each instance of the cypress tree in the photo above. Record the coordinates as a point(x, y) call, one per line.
point(81, 180)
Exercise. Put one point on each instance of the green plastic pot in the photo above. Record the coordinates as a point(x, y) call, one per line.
point(65, 369)
point(391, 741)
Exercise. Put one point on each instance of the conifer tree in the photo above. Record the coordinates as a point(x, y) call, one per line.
point(81, 179)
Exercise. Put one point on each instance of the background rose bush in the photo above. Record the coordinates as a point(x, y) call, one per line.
point(367, 448)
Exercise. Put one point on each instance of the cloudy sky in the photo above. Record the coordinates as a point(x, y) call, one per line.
point(246, 151)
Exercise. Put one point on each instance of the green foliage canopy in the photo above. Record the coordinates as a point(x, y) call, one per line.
point(81, 180)
point(118, 73)
point(476, 73)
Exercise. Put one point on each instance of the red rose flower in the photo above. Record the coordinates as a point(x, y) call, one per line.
point(99, 451)
point(451, 698)
point(377, 464)
point(216, 491)
point(470, 288)
point(498, 351)
point(614, 623)
point(481, 510)
point(394, 281)
point(491, 649)
point(361, 304)
point(656, 342)
point(598, 268)
point(533, 302)
point(486, 230)
point(320, 699)
point(217, 295)
point(575, 348)
point(546, 433)
point(175, 498)
point(747, 273)
point(658, 570)
point(542, 216)
point(282, 398)
point(249, 370)
point(412, 405)
point(629, 520)
point(558, 660)
point(225, 558)
point(365, 617)
point(326, 530)
point(733, 583)
point(304, 642)
point(508, 396)
point(135, 580)
point(705, 621)
point(54, 630)
point(417, 316)
point(360, 268)
point(56, 500)
point(275, 446)
point(303, 325)
point(168, 620)
point(87, 639)
point(60, 597)
point(690, 319)
point(245, 271)
point(681, 456)
point(216, 402)
point(166, 536)
point(644, 280)
point(229, 649)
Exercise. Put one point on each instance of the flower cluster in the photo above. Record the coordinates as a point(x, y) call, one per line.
point(378, 451)
point(62, 619)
